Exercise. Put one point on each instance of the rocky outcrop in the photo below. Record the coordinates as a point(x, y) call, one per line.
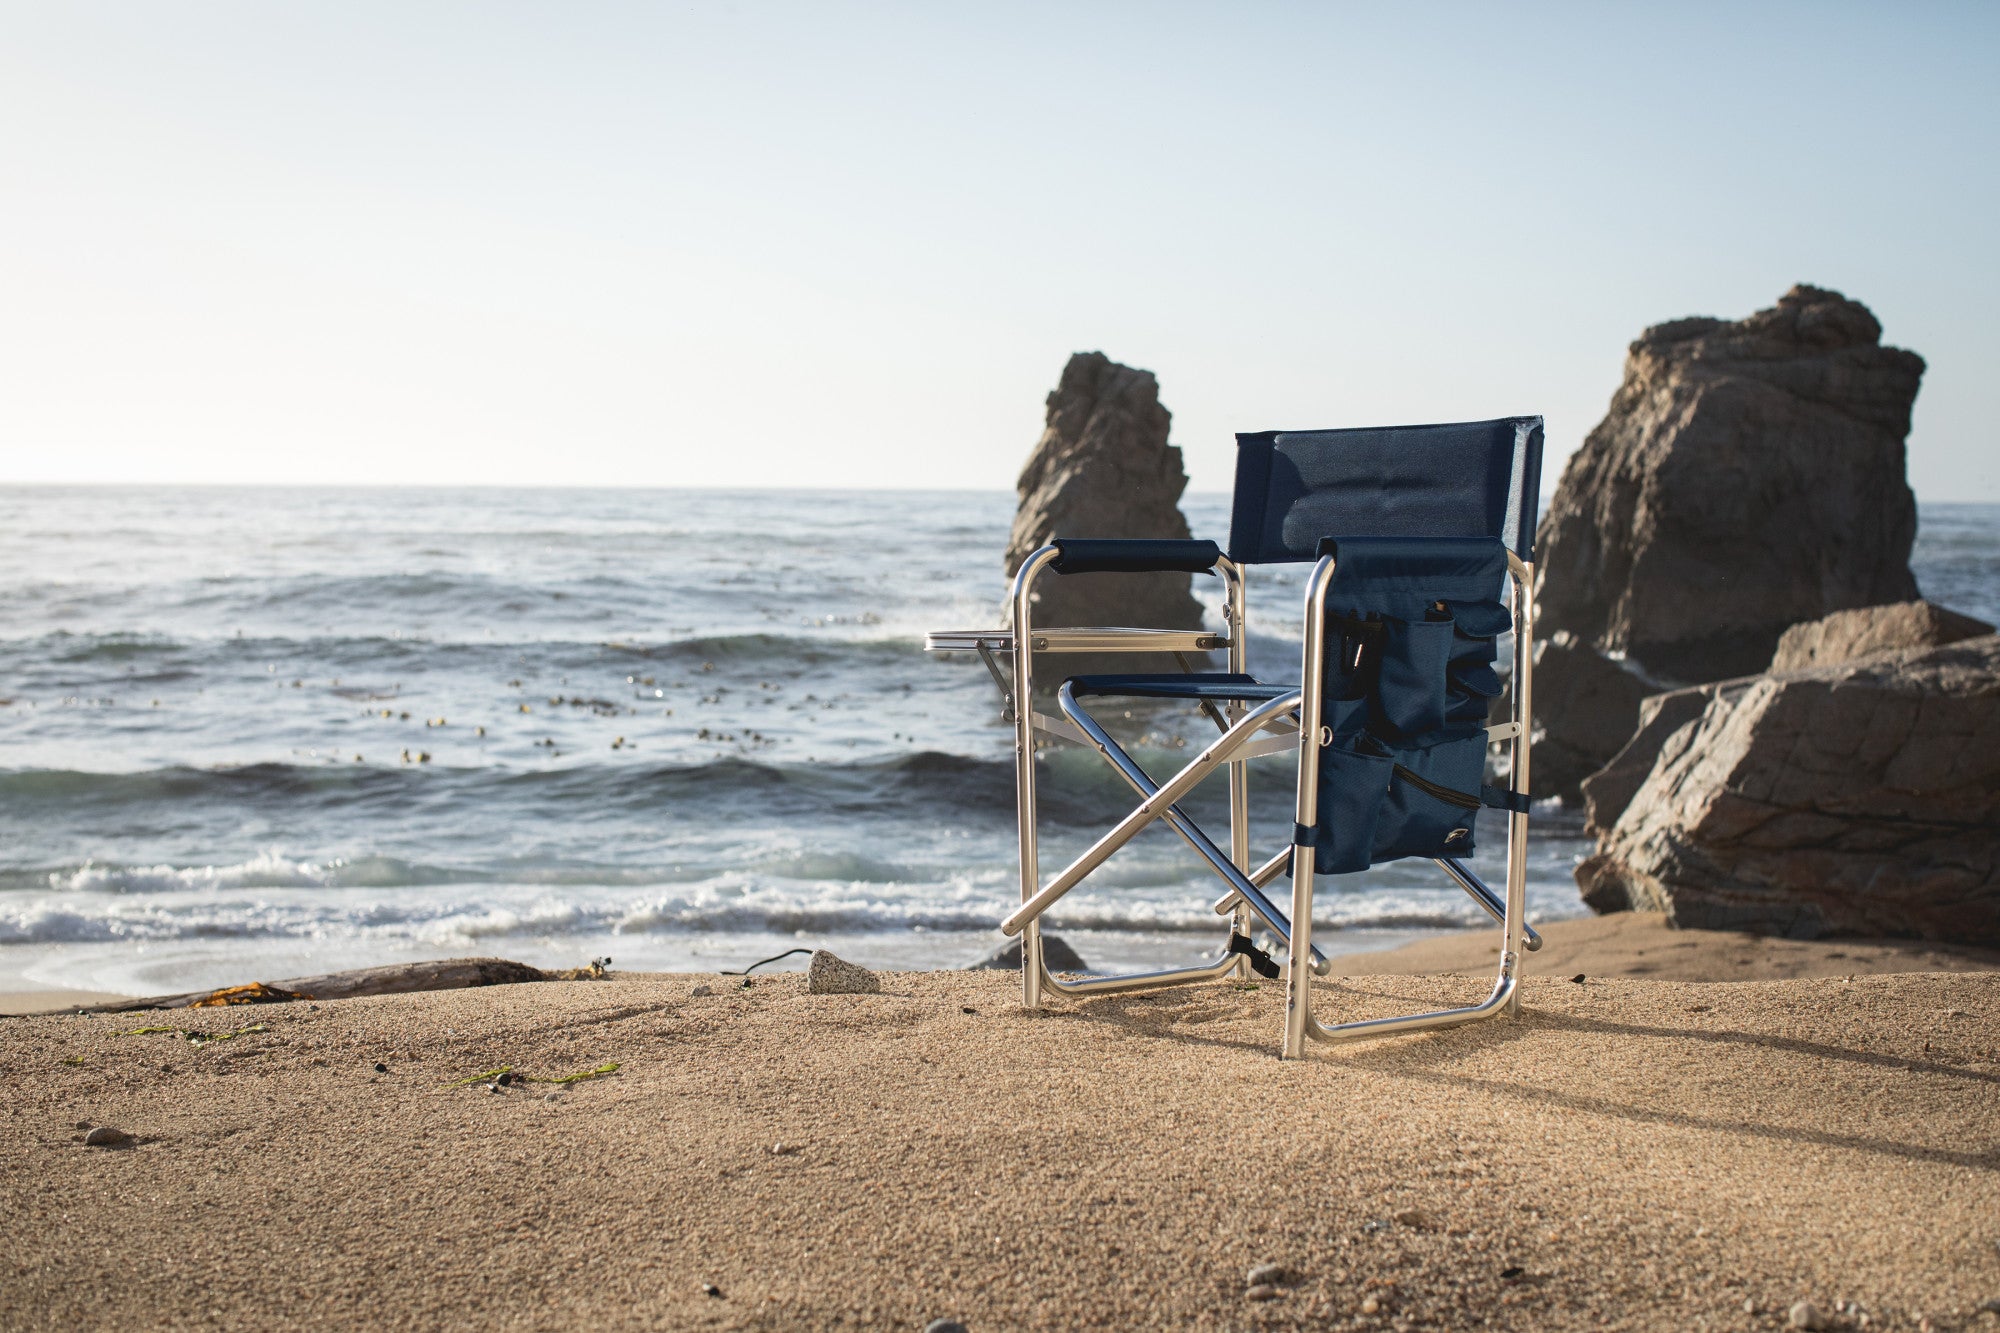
point(1854, 799)
point(1057, 956)
point(1747, 477)
point(1846, 636)
point(1611, 788)
point(1103, 468)
point(1586, 706)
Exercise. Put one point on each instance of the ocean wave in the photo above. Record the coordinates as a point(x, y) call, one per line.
point(926, 780)
point(729, 906)
point(832, 643)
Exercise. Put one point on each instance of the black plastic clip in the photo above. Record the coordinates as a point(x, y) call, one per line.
point(1260, 962)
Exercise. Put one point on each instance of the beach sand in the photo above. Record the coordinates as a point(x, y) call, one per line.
point(51, 1001)
point(1641, 944)
point(1638, 1153)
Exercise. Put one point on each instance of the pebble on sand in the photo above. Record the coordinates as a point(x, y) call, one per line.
point(1265, 1275)
point(700, 991)
point(944, 1326)
point(1413, 1217)
point(1805, 1314)
point(104, 1136)
point(828, 975)
point(1263, 1291)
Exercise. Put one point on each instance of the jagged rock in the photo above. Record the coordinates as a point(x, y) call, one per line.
point(1611, 788)
point(1841, 637)
point(1855, 799)
point(1586, 706)
point(1103, 468)
point(828, 974)
point(1748, 476)
point(1056, 955)
point(1847, 635)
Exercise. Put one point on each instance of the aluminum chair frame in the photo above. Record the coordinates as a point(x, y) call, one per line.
point(1505, 996)
point(1246, 733)
point(1238, 744)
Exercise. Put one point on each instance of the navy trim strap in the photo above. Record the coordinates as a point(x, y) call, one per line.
point(1141, 555)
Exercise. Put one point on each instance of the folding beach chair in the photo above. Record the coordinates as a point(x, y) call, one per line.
point(1415, 531)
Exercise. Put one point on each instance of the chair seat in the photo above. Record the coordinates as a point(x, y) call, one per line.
point(1195, 685)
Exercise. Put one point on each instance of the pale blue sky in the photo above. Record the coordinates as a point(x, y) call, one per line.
point(821, 244)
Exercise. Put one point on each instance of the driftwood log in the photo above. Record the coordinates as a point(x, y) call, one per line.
point(395, 979)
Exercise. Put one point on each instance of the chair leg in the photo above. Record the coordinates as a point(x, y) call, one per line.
point(1298, 960)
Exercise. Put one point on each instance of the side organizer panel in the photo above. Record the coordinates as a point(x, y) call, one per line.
point(1405, 751)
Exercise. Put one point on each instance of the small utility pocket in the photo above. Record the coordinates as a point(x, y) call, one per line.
point(1353, 784)
point(1411, 692)
point(1432, 801)
point(1471, 683)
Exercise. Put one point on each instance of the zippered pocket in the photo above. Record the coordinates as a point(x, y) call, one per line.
point(1449, 795)
point(1432, 801)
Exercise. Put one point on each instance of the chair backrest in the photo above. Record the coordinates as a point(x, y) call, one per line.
point(1465, 479)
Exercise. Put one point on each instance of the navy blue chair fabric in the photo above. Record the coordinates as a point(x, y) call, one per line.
point(1420, 520)
point(1410, 628)
point(1130, 555)
point(1465, 479)
point(1212, 685)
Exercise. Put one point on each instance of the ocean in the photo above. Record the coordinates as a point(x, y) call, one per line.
point(258, 733)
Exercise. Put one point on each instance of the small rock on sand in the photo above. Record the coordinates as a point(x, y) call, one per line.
point(944, 1326)
point(700, 991)
point(1413, 1217)
point(829, 975)
point(1265, 1275)
point(1263, 1291)
point(104, 1136)
point(1056, 956)
point(1805, 1314)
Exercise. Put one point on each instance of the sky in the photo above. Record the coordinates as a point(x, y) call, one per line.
point(748, 244)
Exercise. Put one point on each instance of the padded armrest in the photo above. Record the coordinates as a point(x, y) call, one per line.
point(1139, 555)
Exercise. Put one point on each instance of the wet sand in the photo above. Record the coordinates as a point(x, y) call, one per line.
point(1638, 1153)
point(51, 1001)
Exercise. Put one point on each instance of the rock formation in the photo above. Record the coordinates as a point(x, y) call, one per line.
point(1057, 956)
point(1853, 799)
point(1586, 706)
point(1748, 476)
point(830, 974)
point(1846, 636)
point(1103, 468)
point(1608, 791)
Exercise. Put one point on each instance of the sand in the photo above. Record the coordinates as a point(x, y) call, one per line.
point(1638, 1153)
point(1640, 944)
point(51, 1001)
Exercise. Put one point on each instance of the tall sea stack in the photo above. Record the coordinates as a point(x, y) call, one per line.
point(1103, 468)
point(1748, 476)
